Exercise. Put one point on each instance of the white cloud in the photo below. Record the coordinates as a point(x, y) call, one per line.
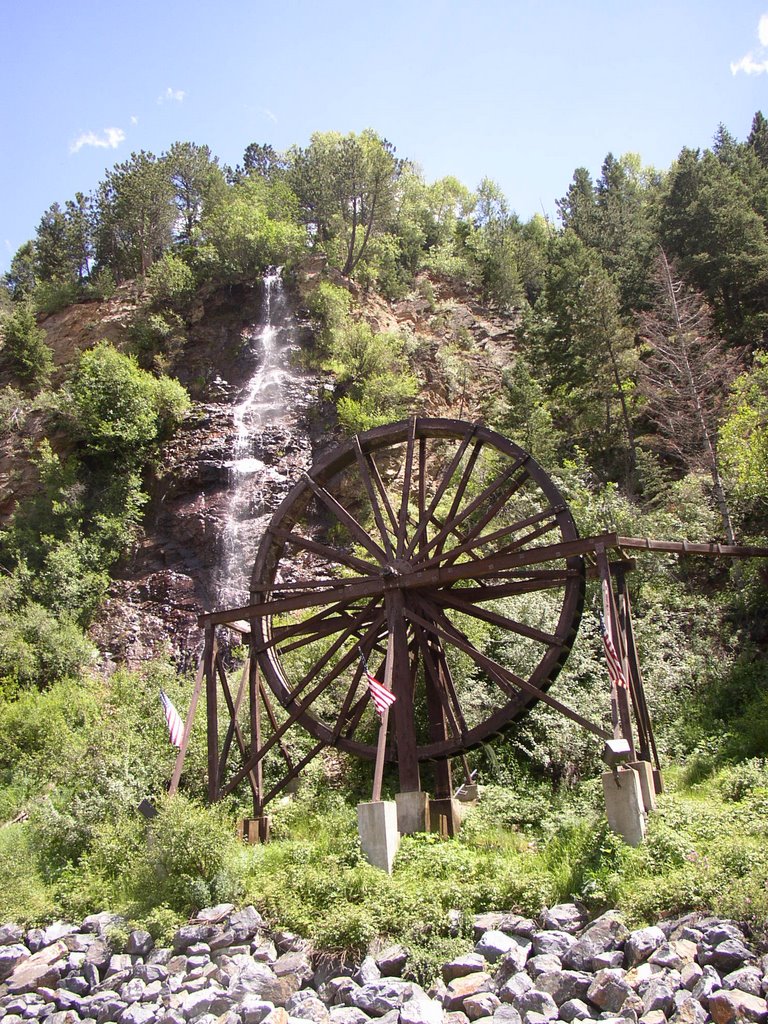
point(749, 65)
point(268, 113)
point(134, 119)
point(755, 63)
point(171, 96)
point(110, 138)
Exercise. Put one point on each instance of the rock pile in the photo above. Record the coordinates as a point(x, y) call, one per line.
point(226, 967)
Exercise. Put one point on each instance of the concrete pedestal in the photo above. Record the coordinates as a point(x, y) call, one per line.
point(412, 812)
point(647, 788)
point(254, 830)
point(379, 838)
point(444, 816)
point(624, 804)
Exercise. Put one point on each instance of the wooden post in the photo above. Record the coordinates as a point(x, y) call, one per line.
point(255, 724)
point(188, 723)
point(209, 657)
point(620, 713)
point(405, 729)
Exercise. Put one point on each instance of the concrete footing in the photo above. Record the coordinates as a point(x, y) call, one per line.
point(647, 787)
point(379, 837)
point(254, 830)
point(412, 812)
point(444, 816)
point(624, 804)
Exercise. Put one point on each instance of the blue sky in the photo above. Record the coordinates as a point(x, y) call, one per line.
point(521, 92)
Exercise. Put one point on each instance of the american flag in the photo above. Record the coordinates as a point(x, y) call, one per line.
point(382, 698)
point(615, 670)
point(172, 720)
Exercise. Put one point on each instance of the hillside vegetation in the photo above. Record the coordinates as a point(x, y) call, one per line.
point(624, 347)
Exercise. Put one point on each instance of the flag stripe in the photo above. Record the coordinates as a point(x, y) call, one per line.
point(172, 720)
point(382, 697)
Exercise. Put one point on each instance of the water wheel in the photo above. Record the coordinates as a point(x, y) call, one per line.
point(440, 542)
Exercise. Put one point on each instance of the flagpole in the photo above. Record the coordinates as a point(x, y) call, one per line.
point(381, 748)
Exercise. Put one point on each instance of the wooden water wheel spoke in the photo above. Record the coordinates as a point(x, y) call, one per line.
point(430, 520)
point(373, 498)
point(345, 517)
point(402, 519)
point(335, 554)
point(427, 515)
point(476, 539)
point(456, 600)
point(502, 487)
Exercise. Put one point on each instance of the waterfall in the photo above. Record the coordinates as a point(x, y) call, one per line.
point(261, 419)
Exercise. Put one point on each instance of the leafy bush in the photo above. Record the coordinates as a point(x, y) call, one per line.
point(170, 281)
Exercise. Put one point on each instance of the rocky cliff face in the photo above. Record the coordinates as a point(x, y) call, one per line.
point(180, 567)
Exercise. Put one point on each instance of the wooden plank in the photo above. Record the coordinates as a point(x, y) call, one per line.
point(619, 697)
point(188, 723)
point(442, 487)
point(402, 519)
point(211, 715)
point(454, 599)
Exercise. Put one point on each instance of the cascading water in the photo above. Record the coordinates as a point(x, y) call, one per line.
point(264, 428)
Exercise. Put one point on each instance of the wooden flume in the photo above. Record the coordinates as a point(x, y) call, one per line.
point(447, 555)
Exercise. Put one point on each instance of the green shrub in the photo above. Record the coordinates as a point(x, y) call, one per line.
point(51, 296)
point(170, 281)
point(24, 345)
point(24, 897)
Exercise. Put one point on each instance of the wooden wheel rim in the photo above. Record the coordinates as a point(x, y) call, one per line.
point(420, 586)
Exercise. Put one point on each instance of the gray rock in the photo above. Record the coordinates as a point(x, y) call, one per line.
point(132, 991)
point(609, 989)
point(213, 915)
point(466, 985)
point(565, 986)
point(675, 954)
point(289, 942)
point(392, 960)
point(420, 1009)
point(223, 939)
point(34, 939)
point(708, 983)
point(545, 963)
point(733, 1005)
point(264, 951)
point(567, 917)
point(461, 965)
point(340, 1015)
point(605, 934)
point(382, 996)
point(260, 980)
point(660, 993)
point(495, 944)
point(689, 1011)
point(611, 958)
point(690, 974)
point(10, 934)
point(245, 923)
point(118, 963)
point(514, 924)
point(641, 944)
point(207, 1000)
point(536, 1001)
point(482, 923)
point(367, 972)
point(727, 956)
point(507, 1013)
point(253, 1010)
point(295, 963)
point(150, 972)
point(56, 931)
point(11, 956)
point(483, 1004)
point(139, 942)
point(101, 923)
point(747, 979)
point(556, 941)
point(189, 934)
point(307, 1006)
point(138, 1013)
point(514, 960)
point(574, 1009)
point(335, 991)
point(514, 988)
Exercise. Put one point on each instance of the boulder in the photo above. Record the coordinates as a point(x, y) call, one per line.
point(381, 996)
point(609, 989)
point(470, 963)
point(556, 941)
point(641, 944)
point(567, 917)
point(466, 985)
point(606, 934)
point(727, 1006)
